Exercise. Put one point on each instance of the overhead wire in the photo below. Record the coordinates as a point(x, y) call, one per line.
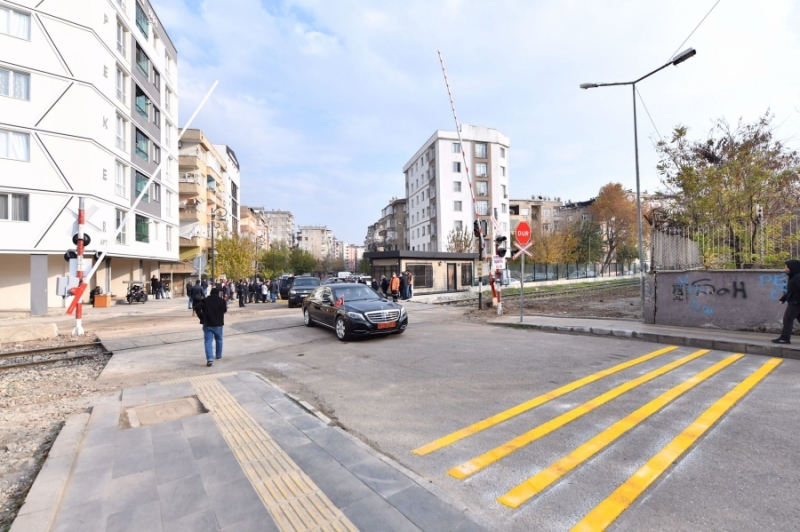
point(695, 29)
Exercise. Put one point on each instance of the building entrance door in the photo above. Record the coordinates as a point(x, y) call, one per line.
point(451, 278)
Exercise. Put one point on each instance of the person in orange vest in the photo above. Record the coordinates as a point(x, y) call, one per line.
point(394, 286)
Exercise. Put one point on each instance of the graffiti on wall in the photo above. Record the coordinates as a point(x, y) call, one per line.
point(692, 292)
point(776, 281)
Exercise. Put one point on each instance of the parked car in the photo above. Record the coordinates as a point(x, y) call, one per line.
point(285, 286)
point(353, 309)
point(300, 288)
point(333, 280)
point(581, 274)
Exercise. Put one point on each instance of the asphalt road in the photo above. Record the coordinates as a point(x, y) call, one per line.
point(402, 392)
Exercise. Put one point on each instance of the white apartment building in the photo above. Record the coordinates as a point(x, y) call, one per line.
point(317, 240)
point(281, 227)
point(438, 190)
point(88, 107)
point(233, 185)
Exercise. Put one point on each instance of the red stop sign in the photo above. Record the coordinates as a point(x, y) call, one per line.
point(523, 233)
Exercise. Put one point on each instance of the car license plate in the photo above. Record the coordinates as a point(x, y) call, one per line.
point(388, 325)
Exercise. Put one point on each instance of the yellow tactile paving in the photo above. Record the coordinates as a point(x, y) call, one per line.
point(605, 513)
point(202, 378)
point(293, 500)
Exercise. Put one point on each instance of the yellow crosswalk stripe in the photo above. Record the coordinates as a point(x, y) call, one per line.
point(607, 511)
point(539, 482)
point(496, 419)
point(476, 464)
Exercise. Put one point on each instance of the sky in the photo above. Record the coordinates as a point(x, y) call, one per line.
point(325, 101)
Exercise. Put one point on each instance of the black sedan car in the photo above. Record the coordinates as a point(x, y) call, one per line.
point(284, 286)
point(300, 288)
point(353, 309)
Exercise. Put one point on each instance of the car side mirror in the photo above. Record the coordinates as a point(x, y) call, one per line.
point(326, 299)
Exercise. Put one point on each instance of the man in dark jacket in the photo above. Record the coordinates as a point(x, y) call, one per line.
point(403, 285)
point(211, 312)
point(273, 290)
point(195, 294)
point(375, 284)
point(241, 292)
point(792, 300)
point(384, 285)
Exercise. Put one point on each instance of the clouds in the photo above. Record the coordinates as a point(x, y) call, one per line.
point(324, 102)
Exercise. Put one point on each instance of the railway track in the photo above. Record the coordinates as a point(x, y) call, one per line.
point(551, 294)
point(51, 355)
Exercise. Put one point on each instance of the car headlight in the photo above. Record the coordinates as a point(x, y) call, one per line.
point(292, 292)
point(402, 311)
point(356, 316)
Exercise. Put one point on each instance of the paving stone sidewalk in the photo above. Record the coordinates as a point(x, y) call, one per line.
point(152, 458)
point(739, 341)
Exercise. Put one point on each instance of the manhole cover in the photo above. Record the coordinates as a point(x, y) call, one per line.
point(153, 414)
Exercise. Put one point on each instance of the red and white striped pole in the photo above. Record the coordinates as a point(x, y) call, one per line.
point(78, 292)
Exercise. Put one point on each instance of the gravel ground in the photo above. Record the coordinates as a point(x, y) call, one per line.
point(34, 403)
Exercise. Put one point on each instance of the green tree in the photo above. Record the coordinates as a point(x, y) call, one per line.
point(588, 241)
point(302, 261)
point(363, 266)
point(721, 179)
point(627, 252)
point(275, 261)
point(554, 248)
point(617, 216)
point(235, 256)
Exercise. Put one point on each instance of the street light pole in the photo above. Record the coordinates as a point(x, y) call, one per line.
point(675, 61)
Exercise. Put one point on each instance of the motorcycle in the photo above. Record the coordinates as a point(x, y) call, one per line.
point(136, 294)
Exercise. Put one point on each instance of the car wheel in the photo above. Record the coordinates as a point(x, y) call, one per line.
point(307, 318)
point(341, 329)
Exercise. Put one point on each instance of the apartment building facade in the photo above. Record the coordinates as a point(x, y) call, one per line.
point(438, 186)
point(209, 193)
point(542, 213)
point(253, 224)
point(353, 257)
point(317, 240)
point(89, 107)
point(281, 227)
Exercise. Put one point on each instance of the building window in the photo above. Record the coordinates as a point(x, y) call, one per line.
point(155, 192)
point(15, 84)
point(141, 184)
point(546, 212)
point(15, 23)
point(168, 137)
point(121, 40)
point(120, 85)
point(142, 62)
point(585, 217)
point(456, 186)
point(167, 64)
point(169, 169)
point(483, 207)
point(15, 145)
point(142, 229)
point(142, 103)
point(482, 188)
point(121, 129)
point(423, 230)
point(505, 227)
point(480, 150)
point(169, 203)
point(142, 22)
point(457, 206)
point(169, 238)
point(157, 80)
point(155, 231)
point(142, 145)
point(524, 212)
point(122, 237)
point(456, 147)
point(120, 183)
point(18, 211)
point(503, 208)
point(423, 275)
point(167, 99)
point(505, 194)
point(502, 153)
point(458, 225)
point(456, 167)
point(156, 154)
point(157, 117)
point(481, 170)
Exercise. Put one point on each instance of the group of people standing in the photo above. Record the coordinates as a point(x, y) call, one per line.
point(159, 287)
point(399, 286)
point(258, 291)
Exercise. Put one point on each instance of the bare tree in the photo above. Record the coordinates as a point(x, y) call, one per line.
point(459, 240)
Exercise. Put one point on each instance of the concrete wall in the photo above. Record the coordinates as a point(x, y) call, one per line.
point(724, 299)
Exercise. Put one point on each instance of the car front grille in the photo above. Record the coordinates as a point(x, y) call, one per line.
point(383, 316)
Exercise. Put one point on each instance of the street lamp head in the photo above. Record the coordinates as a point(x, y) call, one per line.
point(683, 56)
point(588, 85)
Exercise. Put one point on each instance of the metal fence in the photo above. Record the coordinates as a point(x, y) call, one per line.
point(554, 272)
point(744, 245)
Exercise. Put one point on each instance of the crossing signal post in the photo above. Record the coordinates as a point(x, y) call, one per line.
point(523, 234)
point(500, 251)
point(80, 240)
point(479, 228)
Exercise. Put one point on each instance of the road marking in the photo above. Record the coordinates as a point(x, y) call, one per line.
point(607, 511)
point(444, 441)
point(291, 497)
point(476, 464)
point(539, 482)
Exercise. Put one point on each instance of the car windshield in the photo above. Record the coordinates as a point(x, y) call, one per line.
point(306, 282)
point(355, 293)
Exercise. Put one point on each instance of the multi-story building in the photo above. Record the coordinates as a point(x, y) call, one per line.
point(374, 241)
point(206, 193)
point(253, 225)
point(394, 225)
point(281, 227)
point(317, 240)
point(543, 214)
point(233, 183)
point(438, 190)
point(353, 257)
point(89, 107)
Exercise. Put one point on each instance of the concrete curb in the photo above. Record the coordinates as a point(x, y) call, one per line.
point(44, 497)
point(27, 332)
point(739, 346)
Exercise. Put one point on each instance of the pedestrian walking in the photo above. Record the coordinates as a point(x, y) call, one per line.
point(394, 286)
point(792, 301)
point(384, 285)
point(161, 287)
point(195, 294)
point(211, 312)
point(189, 293)
point(273, 289)
point(403, 284)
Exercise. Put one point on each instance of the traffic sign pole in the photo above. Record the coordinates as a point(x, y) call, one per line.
point(523, 234)
point(522, 288)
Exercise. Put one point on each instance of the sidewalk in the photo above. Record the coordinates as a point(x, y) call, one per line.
point(739, 341)
point(224, 451)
